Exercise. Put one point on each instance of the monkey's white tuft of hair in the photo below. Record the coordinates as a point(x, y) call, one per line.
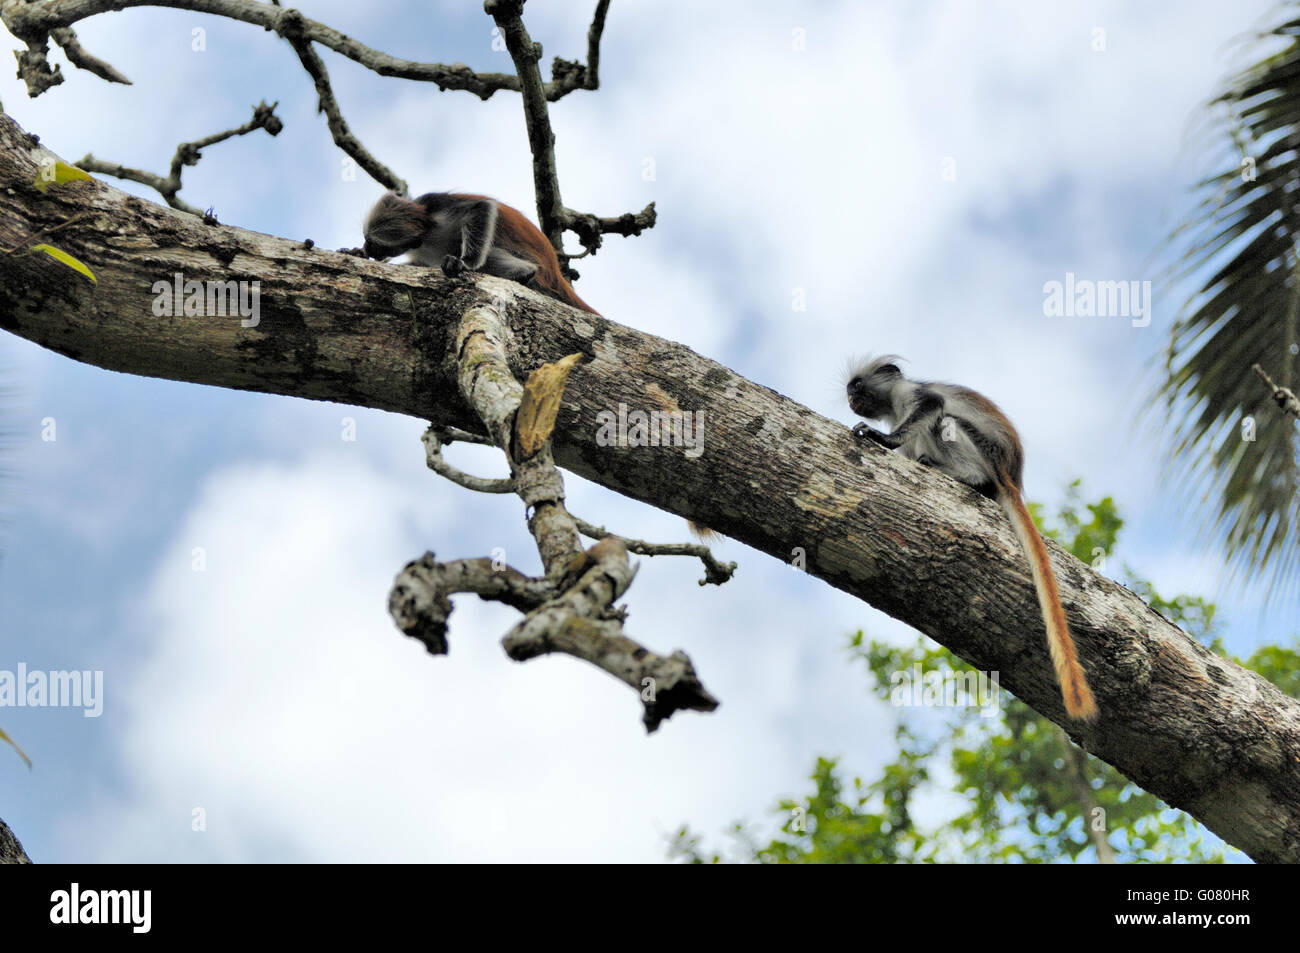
point(867, 365)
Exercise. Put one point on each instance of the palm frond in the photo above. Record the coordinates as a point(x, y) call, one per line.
point(1232, 446)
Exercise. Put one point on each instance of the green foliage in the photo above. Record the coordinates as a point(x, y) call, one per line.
point(1090, 540)
point(63, 258)
point(21, 753)
point(1016, 789)
point(58, 173)
point(1281, 666)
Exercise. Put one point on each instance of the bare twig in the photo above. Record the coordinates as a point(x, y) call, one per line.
point(589, 228)
point(456, 435)
point(434, 439)
point(433, 443)
point(553, 216)
point(34, 22)
point(593, 45)
point(292, 27)
point(78, 57)
point(715, 572)
point(508, 15)
point(187, 153)
point(568, 75)
point(1284, 398)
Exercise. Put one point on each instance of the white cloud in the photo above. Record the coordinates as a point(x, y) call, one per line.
point(274, 693)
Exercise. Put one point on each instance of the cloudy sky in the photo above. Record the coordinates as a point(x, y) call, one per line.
point(271, 691)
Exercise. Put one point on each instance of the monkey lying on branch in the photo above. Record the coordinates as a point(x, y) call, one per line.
point(459, 233)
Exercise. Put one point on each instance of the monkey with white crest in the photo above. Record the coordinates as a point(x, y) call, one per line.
point(964, 434)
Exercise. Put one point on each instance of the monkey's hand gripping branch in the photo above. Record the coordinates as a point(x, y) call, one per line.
point(571, 609)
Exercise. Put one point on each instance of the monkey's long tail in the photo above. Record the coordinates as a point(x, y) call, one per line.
point(555, 286)
point(703, 533)
point(1078, 698)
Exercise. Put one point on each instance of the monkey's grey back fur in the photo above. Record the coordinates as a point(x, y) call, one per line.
point(955, 429)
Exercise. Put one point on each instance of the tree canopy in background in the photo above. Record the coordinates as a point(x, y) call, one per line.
point(1012, 787)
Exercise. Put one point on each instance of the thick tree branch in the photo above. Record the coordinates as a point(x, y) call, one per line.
point(1194, 729)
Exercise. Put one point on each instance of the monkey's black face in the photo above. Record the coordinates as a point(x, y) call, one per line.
point(865, 401)
point(395, 226)
point(383, 250)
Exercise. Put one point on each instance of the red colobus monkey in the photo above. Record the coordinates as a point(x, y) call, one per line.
point(458, 232)
point(963, 433)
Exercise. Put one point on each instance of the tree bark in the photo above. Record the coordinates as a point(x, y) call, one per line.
point(1196, 730)
point(11, 852)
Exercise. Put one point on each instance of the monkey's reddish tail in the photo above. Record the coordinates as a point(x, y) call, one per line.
point(557, 287)
point(703, 533)
point(1079, 702)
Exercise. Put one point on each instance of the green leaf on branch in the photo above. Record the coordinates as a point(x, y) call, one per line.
point(22, 754)
point(59, 255)
point(61, 175)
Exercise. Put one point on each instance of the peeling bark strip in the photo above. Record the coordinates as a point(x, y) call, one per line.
point(1195, 730)
point(541, 402)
